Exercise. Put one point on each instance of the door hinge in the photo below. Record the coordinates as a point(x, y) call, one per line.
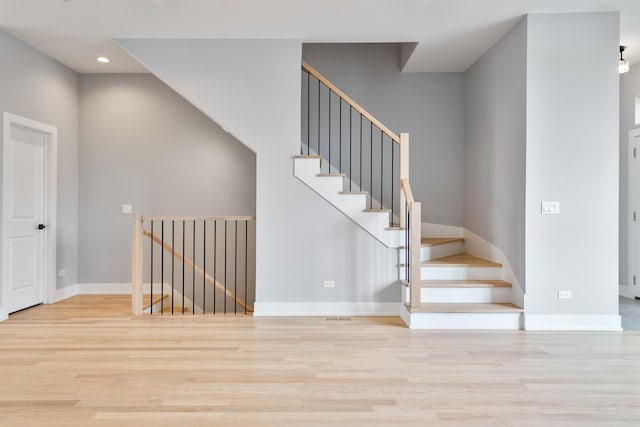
point(634, 152)
point(634, 215)
point(634, 280)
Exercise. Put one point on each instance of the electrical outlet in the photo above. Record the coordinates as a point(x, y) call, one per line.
point(127, 209)
point(550, 208)
point(564, 294)
point(328, 284)
point(62, 273)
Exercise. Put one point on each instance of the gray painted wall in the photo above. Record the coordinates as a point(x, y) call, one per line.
point(145, 145)
point(629, 89)
point(495, 139)
point(37, 87)
point(252, 87)
point(572, 157)
point(430, 106)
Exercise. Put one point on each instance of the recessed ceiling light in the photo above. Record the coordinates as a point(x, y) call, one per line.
point(103, 59)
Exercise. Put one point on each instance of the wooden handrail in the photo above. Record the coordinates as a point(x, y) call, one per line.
point(167, 247)
point(406, 188)
point(308, 68)
point(198, 218)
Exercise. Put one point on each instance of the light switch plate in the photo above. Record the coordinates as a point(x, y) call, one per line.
point(127, 209)
point(550, 208)
point(328, 284)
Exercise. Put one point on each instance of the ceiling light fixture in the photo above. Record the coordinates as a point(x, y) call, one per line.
point(103, 59)
point(623, 64)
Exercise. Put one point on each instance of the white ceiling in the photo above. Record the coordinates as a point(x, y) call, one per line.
point(451, 34)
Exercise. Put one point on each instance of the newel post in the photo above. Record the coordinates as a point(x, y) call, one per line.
point(404, 174)
point(136, 264)
point(414, 252)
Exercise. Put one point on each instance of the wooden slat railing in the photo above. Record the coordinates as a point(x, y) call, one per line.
point(188, 264)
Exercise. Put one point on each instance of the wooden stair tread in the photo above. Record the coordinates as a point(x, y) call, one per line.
point(395, 228)
point(460, 260)
point(464, 284)
point(324, 175)
point(448, 307)
point(434, 241)
point(354, 192)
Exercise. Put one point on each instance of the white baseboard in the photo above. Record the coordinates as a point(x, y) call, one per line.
point(326, 309)
point(626, 291)
point(570, 322)
point(64, 293)
point(3, 315)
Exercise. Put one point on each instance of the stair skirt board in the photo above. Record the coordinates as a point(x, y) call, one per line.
point(352, 205)
point(463, 295)
point(443, 321)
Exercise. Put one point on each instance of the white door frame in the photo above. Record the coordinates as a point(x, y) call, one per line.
point(50, 195)
point(633, 226)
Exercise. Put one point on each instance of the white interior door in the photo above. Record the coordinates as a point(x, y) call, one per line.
point(24, 240)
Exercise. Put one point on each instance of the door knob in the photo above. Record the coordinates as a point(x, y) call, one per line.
point(41, 226)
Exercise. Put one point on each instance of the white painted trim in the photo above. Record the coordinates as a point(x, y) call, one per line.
point(326, 309)
point(626, 291)
point(632, 265)
point(440, 230)
point(51, 198)
point(64, 293)
point(572, 322)
point(477, 246)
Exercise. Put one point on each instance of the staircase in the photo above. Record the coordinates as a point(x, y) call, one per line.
point(458, 290)
point(444, 287)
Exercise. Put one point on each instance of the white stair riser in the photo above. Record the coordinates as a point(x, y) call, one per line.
point(439, 251)
point(352, 205)
point(465, 295)
point(428, 253)
point(509, 321)
point(495, 321)
point(460, 273)
point(327, 184)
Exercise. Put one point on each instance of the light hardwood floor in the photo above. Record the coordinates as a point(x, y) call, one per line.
point(73, 365)
point(630, 313)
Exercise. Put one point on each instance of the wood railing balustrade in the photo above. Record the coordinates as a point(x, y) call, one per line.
point(204, 265)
